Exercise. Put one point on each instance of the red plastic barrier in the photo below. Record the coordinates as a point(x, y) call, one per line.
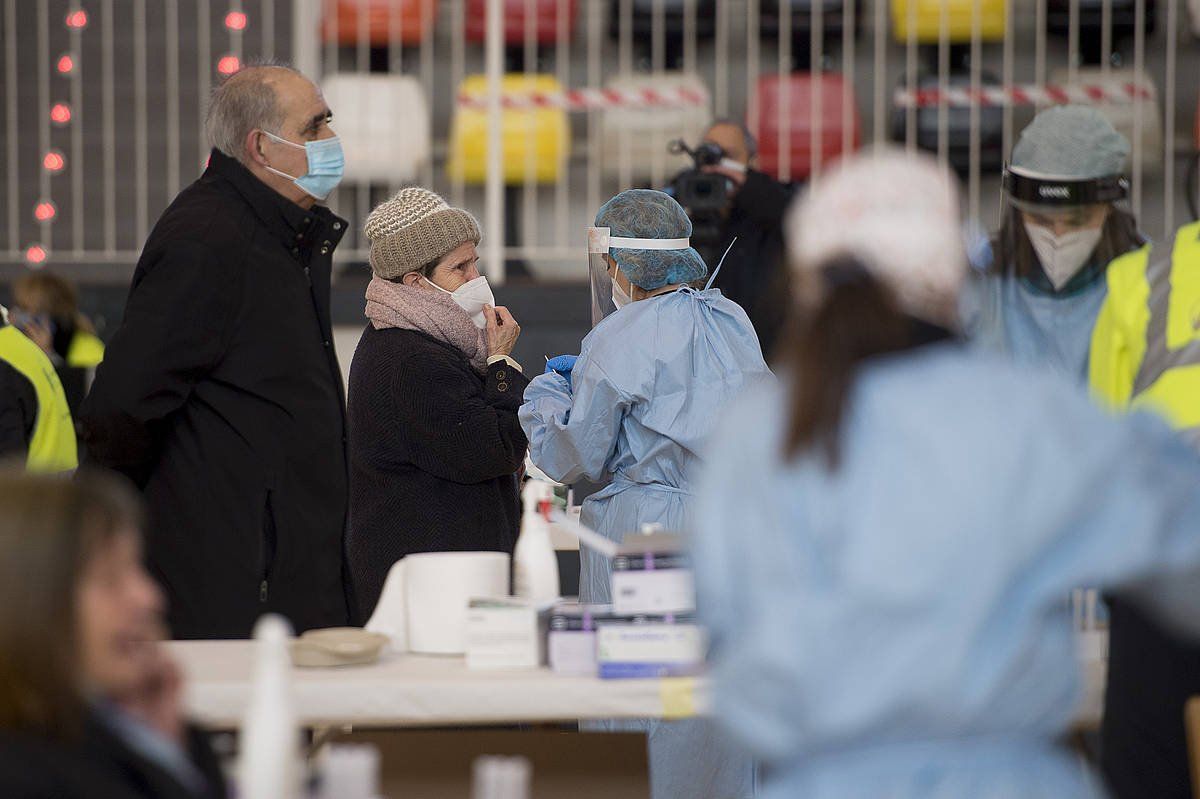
point(800, 88)
point(409, 21)
point(545, 25)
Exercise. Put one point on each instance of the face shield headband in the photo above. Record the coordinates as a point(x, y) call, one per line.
point(1060, 192)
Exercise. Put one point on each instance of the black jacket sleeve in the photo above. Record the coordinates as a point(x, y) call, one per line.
point(763, 200)
point(18, 412)
point(457, 431)
point(173, 334)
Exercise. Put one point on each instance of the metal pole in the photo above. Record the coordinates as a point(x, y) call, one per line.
point(880, 81)
point(1007, 127)
point(1169, 122)
point(1139, 67)
point(172, 43)
point(494, 190)
point(110, 136)
point(720, 77)
point(306, 55)
point(10, 87)
point(43, 49)
point(77, 232)
point(141, 143)
point(973, 189)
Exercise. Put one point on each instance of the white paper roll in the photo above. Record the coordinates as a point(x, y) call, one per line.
point(423, 606)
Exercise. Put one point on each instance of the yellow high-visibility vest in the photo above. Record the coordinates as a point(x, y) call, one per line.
point(1146, 345)
point(86, 351)
point(52, 448)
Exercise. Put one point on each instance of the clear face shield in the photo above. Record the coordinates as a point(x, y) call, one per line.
point(600, 244)
point(1062, 217)
point(598, 276)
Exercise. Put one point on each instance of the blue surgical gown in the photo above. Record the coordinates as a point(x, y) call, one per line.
point(898, 627)
point(647, 392)
point(1004, 314)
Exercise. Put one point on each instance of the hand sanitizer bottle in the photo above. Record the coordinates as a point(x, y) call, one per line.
point(535, 567)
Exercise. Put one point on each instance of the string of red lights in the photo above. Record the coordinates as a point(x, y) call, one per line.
point(61, 114)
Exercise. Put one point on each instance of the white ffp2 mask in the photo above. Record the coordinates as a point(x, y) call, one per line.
point(1062, 256)
point(619, 297)
point(471, 296)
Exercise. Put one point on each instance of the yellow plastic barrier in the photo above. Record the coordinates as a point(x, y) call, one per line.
point(536, 141)
point(928, 15)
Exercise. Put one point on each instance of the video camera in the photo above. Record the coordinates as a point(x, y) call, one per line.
point(703, 195)
point(697, 191)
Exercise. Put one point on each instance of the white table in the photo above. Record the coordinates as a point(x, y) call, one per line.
point(417, 691)
point(421, 691)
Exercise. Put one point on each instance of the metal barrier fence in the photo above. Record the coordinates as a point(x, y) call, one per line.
point(532, 112)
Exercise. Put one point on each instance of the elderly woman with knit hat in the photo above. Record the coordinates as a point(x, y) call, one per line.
point(435, 444)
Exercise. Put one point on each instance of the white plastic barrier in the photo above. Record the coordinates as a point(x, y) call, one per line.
point(634, 141)
point(383, 122)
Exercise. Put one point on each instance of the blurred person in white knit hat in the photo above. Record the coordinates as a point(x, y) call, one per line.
point(435, 445)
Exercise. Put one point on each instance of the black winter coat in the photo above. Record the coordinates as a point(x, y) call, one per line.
point(99, 766)
point(434, 452)
point(754, 274)
point(221, 396)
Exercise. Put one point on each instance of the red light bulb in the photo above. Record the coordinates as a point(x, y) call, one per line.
point(229, 64)
point(60, 113)
point(45, 211)
point(77, 19)
point(235, 21)
point(35, 255)
point(66, 64)
point(54, 162)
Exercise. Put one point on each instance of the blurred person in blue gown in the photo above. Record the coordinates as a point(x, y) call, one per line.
point(885, 538)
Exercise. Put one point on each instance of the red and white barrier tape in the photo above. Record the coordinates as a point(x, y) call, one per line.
point(594, 99)
point(1113, 92)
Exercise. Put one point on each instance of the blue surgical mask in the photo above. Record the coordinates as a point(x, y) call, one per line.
point(326, 164)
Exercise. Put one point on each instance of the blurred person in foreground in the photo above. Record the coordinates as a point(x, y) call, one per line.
point(1040, 292)
point(89, 701)
point(753, 273)
point(886, 537)
point(1145, 355)
point(435, 444)
point(220, 394)
point(46, 308)
point(35, 419)
point(634, 410)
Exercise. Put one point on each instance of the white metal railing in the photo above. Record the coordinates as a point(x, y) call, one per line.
point(142, 70)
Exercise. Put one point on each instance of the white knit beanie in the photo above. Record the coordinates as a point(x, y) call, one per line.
point(415, 228)
point(896, 213)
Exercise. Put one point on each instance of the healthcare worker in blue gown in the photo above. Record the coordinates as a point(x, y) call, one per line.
point(1043, 281)
point(634, 411)
point(886, 537)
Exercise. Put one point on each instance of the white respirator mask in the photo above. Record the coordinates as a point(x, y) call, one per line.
point(1062, 256)
point(471, 296)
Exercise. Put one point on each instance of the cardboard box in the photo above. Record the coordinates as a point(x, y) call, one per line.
point(505, 633)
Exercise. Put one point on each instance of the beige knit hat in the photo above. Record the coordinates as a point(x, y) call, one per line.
point(414, 228)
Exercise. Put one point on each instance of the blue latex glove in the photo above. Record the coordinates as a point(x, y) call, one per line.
point(563, 364)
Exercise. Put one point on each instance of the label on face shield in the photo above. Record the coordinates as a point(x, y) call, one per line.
point(1055, 192)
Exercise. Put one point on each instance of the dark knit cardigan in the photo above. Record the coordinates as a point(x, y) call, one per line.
point(434, 451)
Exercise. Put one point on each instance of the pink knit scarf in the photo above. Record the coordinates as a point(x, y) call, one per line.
point(430, 312)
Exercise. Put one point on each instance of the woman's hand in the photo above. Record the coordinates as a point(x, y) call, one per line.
point(502, 330)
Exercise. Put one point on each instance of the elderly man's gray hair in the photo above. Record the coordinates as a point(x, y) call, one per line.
point(243, 102)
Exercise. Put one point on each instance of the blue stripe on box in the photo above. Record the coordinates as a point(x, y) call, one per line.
point(641, 671)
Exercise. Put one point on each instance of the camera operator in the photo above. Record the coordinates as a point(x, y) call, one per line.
point(727, 198)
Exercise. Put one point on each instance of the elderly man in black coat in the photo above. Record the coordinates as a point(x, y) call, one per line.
point(220, 394)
